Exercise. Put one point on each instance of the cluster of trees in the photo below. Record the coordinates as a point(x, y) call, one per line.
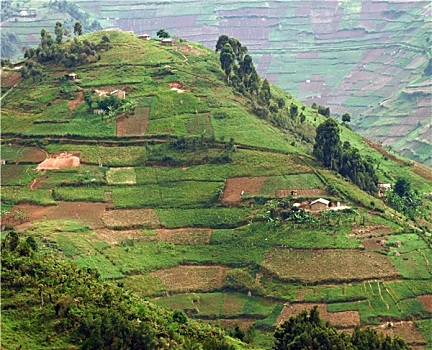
point(402, 198)
point(53, 50)
point(308, 331)
point(344, 159)
point(74, 11)
point(110, 104)
point(242, 75)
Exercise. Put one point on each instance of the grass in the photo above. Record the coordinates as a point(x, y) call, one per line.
point(425, 328)
point(290, 182)
point(116, 176)
point(16, 194)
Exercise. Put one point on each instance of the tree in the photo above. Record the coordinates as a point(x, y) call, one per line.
point(346, 118)
point(78, 30)
point(58, 31)
point(162, 34)
point(223, 39)
point(227, 59)
point(307, 331)
point(327, 144)
point(265, 93)
point(402, 187)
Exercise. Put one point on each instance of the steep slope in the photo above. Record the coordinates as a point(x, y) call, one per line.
point(365, 58)
point(176, 189)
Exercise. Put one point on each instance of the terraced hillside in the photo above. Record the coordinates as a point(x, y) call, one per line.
point(186, 197)
point(362, 57)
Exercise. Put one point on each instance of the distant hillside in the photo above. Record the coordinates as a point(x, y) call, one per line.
point(179, 174)
point(364, 58)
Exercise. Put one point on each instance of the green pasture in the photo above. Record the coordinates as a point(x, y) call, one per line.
point(118, 176)
point(79, 176)
point(425, 328)
point(16, 122)
point(248, 130)
point(18, 175)
point(82, 123)
point(21, 194)
point(170, 103)
point(56, 112)
point(171, 194)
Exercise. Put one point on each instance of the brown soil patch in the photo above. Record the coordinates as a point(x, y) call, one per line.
point(404, 329)
point(370, 230)
point(176, 85)
point(308, 192)
point(344, 319)
point(190, 50)
point(248, 185)
point(374, 244)
point(423, 171)
point(328, 265)
point(78, 101)
point(60, 161)
point(131, 218)
point(32, 155)
point(191, 278)
point(113, 237)
point(37, 183)
point(134, 124)
point(9, 79)
point(183, 236)
point(426, 300)
point(244, 323)
point(89, 214)
point(232, 306)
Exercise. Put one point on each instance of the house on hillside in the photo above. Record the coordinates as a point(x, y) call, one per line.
point(339, 206)
point(319, 204)
point(71, 76)
point(167, 41)
point(144, 36)
point(382, 188)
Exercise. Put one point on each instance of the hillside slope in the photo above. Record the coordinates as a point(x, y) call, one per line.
point(148, 167)
point(365, 58)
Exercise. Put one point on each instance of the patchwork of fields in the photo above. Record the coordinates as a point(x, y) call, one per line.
point(178, 212)
point(365, 58)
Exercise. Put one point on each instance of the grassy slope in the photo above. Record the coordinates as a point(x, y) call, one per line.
point(185, 194)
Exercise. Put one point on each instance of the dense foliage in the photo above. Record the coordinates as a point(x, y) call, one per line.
point(82, 309)
point(346, 160)
point(308, 331)
point(403, 198)
point(53, 50)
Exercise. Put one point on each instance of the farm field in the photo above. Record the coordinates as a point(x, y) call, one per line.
point(200, 205)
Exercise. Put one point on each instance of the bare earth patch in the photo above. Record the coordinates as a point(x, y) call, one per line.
point(131, 218)
point(374, 243)
point(183, 236)
point(344, 319)
point(426, 300)
point(60, 161)
point(374, 230)
point(113, 237)
point(78, 101)
point(134, 124)
point(87, 213)
point(329, 265)
point(234, 187)
point(192, 278)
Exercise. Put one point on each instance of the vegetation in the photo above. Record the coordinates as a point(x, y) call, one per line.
point(345, 159)
point(308, 331)
point(187, 196)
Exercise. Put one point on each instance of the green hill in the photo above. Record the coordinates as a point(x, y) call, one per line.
point(365, 58)
point(154, 171)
